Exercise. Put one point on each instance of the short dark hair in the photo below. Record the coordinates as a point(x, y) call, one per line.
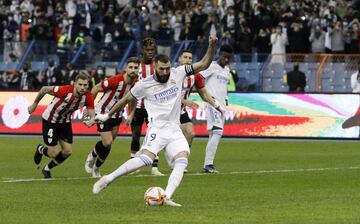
point(185, 51)
point(226, 48)
point(162, 58)
point(148, 41)
point(83, 76)
point(135, 60)
point(296, 66)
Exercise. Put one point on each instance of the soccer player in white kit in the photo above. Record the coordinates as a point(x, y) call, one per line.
point(216, 80)
point(189, 83)
point(162, 95)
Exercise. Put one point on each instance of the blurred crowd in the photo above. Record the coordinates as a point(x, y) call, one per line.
point(29, 79)
point(265, 25)
point(262, 26)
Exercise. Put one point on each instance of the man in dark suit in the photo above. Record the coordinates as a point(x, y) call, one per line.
point(296, 79)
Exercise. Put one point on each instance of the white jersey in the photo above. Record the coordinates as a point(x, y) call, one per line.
point(162, 100)
point(145, 71)
point(217, 79)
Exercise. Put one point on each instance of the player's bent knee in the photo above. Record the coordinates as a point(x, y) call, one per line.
point(191, 134)
point(52, 151)
point(148, 153)
point(183, 154)
point(146, 159)
point(67, 152)
point(217, 132)
point(107, 143)
point(181, 161)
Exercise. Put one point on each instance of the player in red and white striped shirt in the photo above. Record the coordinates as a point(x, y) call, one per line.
point(140, 115)
point(114, 89)
point(189, 83)
point(57, 119)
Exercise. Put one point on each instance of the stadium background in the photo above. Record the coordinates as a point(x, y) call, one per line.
point(260, 181)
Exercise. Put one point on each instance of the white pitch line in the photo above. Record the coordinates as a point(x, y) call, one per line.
point(13, 180)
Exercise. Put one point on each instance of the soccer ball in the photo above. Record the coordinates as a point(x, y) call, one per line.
point(154, 196)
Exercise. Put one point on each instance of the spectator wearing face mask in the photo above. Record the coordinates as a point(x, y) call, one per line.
point(165, 38)
point(52, 75)
point(126, 32)
point(98, 75)
point(80, 40)
point(147, 31)
point(118, 24)
point(62, 49)
point(107, 51)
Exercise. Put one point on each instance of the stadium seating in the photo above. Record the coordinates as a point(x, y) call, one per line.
point(261, 75)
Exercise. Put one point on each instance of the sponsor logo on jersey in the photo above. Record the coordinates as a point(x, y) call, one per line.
point(167, 94)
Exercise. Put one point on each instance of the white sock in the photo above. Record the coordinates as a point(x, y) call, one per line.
point(176, 176)
point(212, 146)
point(129, 166)
point(46, 168)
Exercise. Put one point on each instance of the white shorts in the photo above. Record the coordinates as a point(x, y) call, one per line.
point(213, 118)
point(168, 137)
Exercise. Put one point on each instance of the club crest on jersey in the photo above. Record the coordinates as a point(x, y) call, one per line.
point(157, 88)
point(49, 140)
point(172, 81)
point(101, 126)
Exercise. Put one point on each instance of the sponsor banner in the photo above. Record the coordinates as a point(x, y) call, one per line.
point(248, 115)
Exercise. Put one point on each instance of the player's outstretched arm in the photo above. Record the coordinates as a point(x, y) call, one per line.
point(205, 62)
point(43, 91)
point(190, 103)
point(117, 107)
point(205, 95)
point(132, 107)
point(96, 89)
point(122, 103)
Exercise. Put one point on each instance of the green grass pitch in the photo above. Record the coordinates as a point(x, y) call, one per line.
point(259, 182)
